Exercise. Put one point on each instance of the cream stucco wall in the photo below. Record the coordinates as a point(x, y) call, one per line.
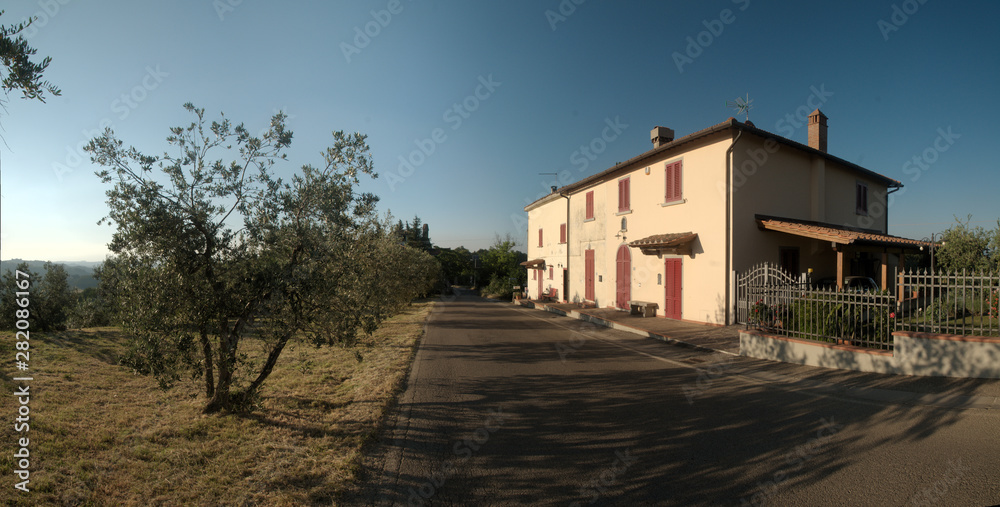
point(701, 211)
point(775, 179)
point(547, 217)
point(768, 178)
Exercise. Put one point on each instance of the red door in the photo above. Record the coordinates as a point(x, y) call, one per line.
point(539, 296)
point(588, 275)
point(624, 278)
point(673, 287)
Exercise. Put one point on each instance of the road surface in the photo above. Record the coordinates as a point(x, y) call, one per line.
point(513, 406)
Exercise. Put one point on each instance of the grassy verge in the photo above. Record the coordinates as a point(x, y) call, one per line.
point(103, 436)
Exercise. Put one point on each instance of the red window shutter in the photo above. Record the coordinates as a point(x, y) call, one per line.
point(673, 177)
point(590, 204)
point(669, 194)
point(562, 233)
point(677, 181)
point(623, 195)
point(551, 272)
point(539, 237)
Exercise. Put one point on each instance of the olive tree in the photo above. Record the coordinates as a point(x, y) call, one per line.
point(210, 252)
point(17, 71)
point(50, 298)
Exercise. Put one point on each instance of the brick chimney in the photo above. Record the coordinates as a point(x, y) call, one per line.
point(661, 136)
point(817, 130)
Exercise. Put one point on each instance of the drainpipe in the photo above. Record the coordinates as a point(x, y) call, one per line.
point(566, 282)
point(887, 194)
point(729, 226)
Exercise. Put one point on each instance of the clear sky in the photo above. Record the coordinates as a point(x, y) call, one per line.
point(480, 97)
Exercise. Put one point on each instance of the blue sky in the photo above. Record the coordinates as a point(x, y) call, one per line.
point(481, 97)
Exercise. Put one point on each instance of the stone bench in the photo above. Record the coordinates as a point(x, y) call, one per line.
point(644, 308)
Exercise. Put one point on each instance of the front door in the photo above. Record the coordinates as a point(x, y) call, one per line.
point(624, 278)
point(540, 276)
point(588, 277)
point(673, 288)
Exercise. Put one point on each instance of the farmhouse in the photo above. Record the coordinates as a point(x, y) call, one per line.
point(672, 226)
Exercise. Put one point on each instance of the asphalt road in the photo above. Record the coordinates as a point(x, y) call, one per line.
point(511, 406)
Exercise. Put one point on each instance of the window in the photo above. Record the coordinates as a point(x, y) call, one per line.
point(539, 237)
point(534, 274)
point(788, 259)
point(552, 272)
point(590, 205)
point(861, 198)
point(623, 195)
point(673, 177)
point(562, 233)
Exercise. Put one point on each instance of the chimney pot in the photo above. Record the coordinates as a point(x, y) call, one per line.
point(817, 130)
point(661, 136)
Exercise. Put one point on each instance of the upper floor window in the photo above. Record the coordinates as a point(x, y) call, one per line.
point(590, 205)
point(539, 237)
point(674, 190)
point(624, 196)
point(562, 233)
point(861, 198)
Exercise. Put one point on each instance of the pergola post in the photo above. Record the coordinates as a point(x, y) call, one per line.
point(885, 270)
point(902, 269)
point(840, 267)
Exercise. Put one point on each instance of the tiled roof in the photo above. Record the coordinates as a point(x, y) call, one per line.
point(835, 234)
point(534, 263)
point(664, 240)
point(730, 124)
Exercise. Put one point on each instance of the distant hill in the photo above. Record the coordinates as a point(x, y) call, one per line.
point(81, 273)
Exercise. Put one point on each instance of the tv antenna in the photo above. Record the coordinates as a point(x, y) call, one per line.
point(741, 105)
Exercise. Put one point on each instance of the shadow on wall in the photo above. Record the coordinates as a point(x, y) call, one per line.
point(916, 354)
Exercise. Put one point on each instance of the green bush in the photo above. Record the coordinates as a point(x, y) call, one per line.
point(502, 288)
point(958, 304)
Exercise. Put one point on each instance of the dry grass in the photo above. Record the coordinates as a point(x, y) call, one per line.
point(103, 436)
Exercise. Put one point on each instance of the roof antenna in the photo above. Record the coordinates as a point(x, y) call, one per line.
point(742, 106)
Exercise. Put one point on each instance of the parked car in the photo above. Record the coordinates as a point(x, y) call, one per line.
point(860, 284)
point(851, 284)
